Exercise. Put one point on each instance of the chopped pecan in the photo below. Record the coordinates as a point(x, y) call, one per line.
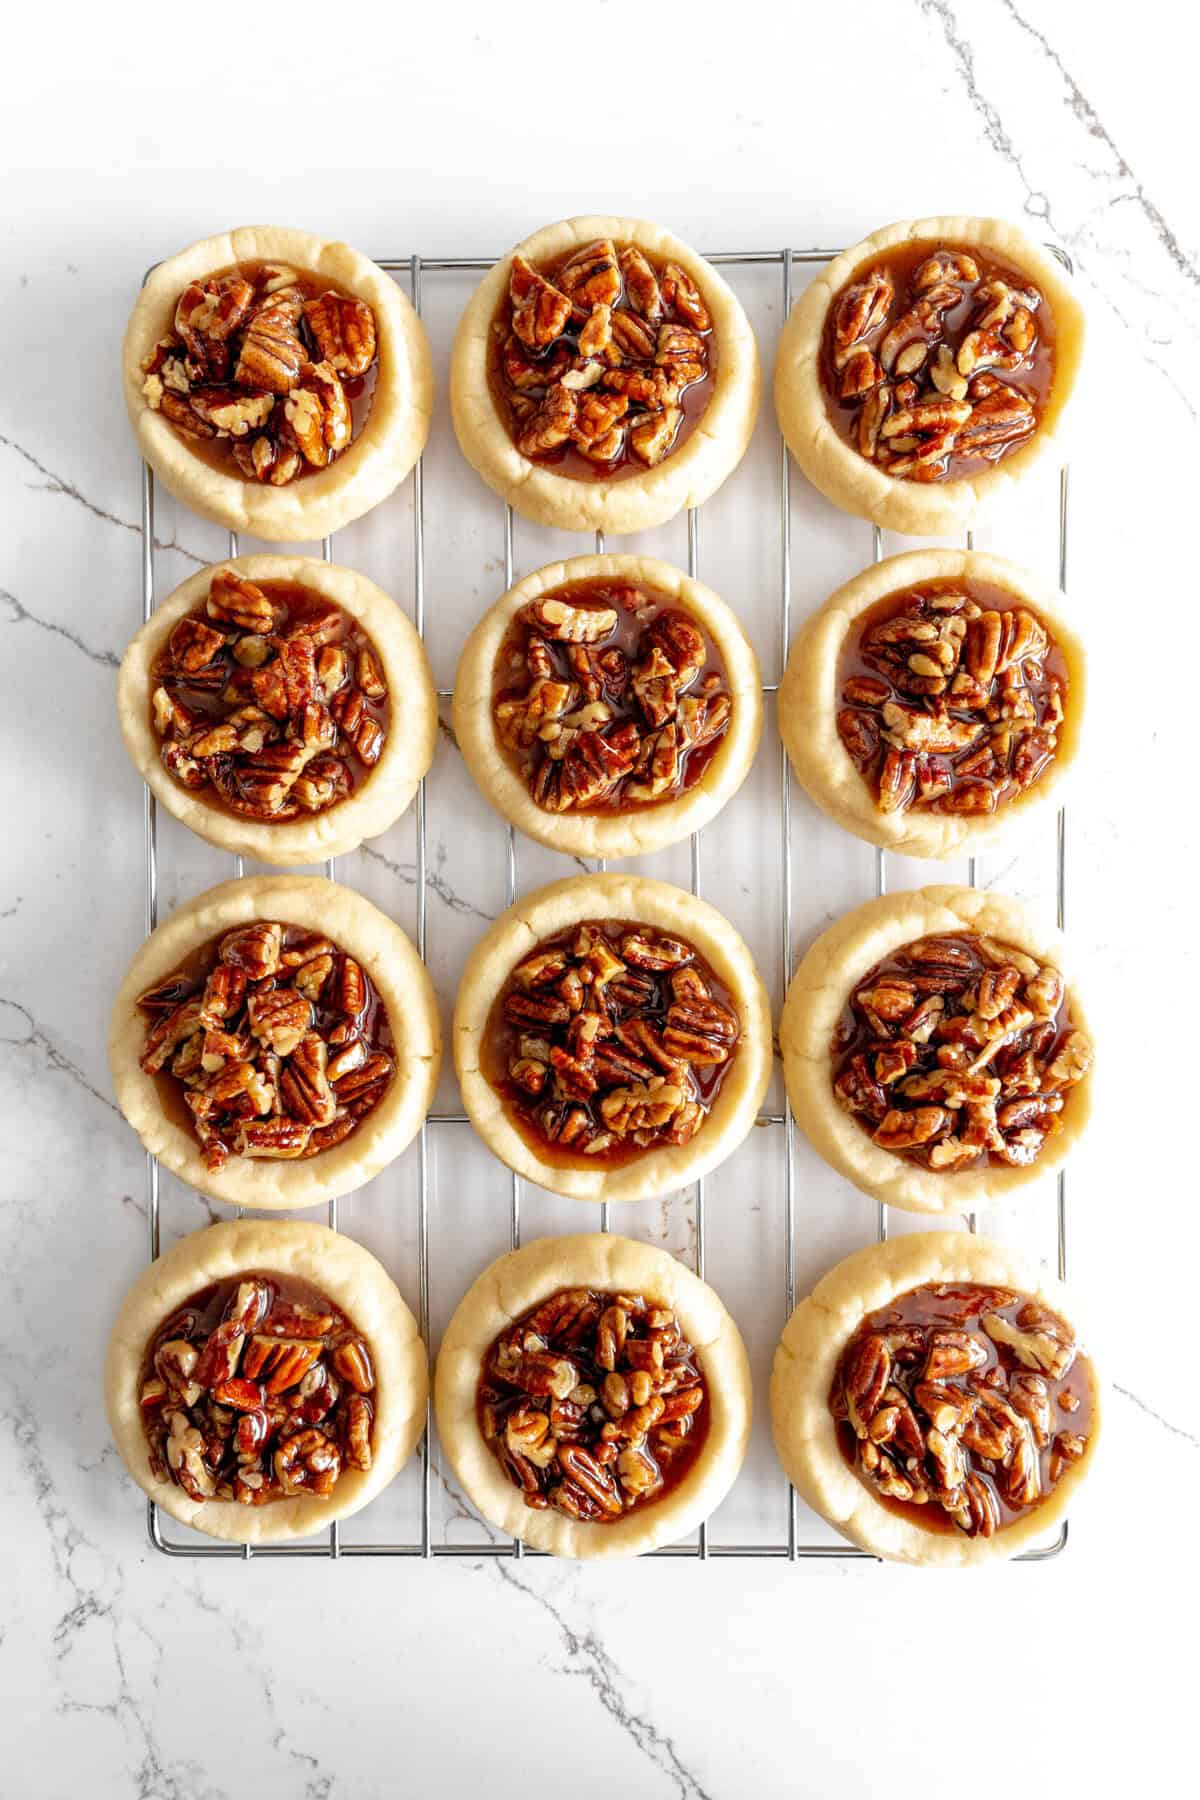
point(641, 285)
point(549, 426)
point(272, 353)
point(539, 310)
point(981, 1446)
point(607, 318)
point(592, 276)
point(942, 1028)
point(344, 330)
point(623, 1429)
point(317, 414)
point(950, 415)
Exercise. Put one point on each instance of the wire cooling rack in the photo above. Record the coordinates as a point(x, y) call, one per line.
point(413, 270)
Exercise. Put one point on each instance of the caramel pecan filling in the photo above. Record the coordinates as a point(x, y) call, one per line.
point(609, 698)
point(953, 698)
point(276, 1040)
point(268, 368)
point(937, 360)
point(593, 1403)
point(270, 700)
point(960, 1406)
point(609, 1040)
point(958, 1050)
point(257, 1389)
point(601, 363)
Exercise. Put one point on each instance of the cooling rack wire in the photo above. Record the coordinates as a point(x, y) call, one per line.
point(790, 1546)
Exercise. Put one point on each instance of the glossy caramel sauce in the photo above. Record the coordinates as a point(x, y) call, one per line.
point(602, 671)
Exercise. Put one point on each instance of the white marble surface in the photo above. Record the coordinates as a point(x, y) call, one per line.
point(127, 1673)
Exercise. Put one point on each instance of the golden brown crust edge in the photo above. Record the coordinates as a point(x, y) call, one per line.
point(514, 1284)
point(356, 1283)
point(615, 896)
point(809, 702)
point(840, 473)
point(804, 1368)
point(711, 452)
point(380, 456)
point(835, 962)
point(403, 984)
point(381, 797)
point(643, 829)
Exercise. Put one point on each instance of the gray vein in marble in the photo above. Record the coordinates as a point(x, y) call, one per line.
point(588, 1660)
point(1189, 1437)
point(21, 615)
point(58, 484)
point(320, 1782)
point(35, 1038)
point(152, 1779)
point(1086, 113)
point(1037, 201)
point(435, 881)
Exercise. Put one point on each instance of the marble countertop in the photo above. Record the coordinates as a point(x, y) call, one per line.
point(188, 1680)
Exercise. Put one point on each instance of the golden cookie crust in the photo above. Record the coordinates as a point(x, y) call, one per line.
point(809, 700)
point(918, 509)
point(601, 1260)
point(806, 1361)
point(837, 960)
point(381, 796)
point(357, 1285)
point(402, 982)
point(655, 903)
point(382, 453)
point(710, 453)
point(643, 828)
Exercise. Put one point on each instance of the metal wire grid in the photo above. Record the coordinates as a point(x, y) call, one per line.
point(415, 268)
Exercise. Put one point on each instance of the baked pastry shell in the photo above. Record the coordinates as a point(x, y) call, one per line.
point(404, 987)
point(830, 971)
point(603, 1261)
point(642, 828)
point(712, 449)
point(382, 794)
point(810, 698)
point(381, 454)
point(918, 509)
point(806, 1363)
point(614, 896)
point(356, 1283)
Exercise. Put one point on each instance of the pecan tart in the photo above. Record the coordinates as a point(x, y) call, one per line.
point(932, 699)
point(933, 1400)
point(608, 705)
point(263, 1379)
point(275, 1041)
point(612, 1037)
point(934, 1051)
point(604, 376)
point(926, 369)
point(281, 707)
point(278, 383)
point(593, 1396)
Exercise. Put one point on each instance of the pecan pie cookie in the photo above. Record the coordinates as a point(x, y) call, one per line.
point(931, 1398)
point(933, 698)
point(593, 1396)
point(263, 1379)
point(934, 1052)
point(275, 1041)
point(926, 369)
point(278, 383)
point(612, 1038)
point(281, 707)
point(608, 705)
point(604, 376)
